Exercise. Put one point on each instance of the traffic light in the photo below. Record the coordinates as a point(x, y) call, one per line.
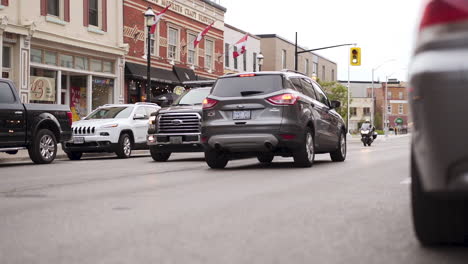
point(355, 57)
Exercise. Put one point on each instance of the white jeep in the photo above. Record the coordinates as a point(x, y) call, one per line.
point(115, 128)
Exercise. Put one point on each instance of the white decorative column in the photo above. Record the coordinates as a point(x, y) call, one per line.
point(67, 93)
point(58, 88)
point(89, 94)
point(3, 25)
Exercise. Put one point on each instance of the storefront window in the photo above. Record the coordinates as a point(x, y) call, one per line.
point(81, 63)
point(78, 98)
point(102, 92)
point(66, 61)
point(43, 86)
point(36, 55)
point(96, 65)
point(50, 58)
point(107, 67)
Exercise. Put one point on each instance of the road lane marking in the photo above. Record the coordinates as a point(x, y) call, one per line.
point(406, 181)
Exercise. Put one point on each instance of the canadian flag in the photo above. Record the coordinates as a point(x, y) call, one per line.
point(240, 45)
point(157, 18)
point(202, 34)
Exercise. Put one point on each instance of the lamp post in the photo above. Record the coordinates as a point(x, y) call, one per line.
point(260, 58)
point(149, 16)
point(373, 99)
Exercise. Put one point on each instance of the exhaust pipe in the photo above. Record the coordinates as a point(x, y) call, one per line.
point(268, 145)
point(217, 146)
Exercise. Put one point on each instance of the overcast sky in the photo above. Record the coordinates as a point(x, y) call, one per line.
point(384, 29)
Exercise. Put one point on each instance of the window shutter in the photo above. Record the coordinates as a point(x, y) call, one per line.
point(66, 8)
point(85, 13)
point(43, 7)
point(104, 15)
point(5, 2)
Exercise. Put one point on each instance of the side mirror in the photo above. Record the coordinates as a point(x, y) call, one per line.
point(139, 117)
point(335, 104)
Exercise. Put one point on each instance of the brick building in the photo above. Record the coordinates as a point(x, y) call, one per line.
point(174, 58)
point(397, 103)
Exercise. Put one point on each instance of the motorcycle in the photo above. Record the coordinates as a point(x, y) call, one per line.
point(367, 137)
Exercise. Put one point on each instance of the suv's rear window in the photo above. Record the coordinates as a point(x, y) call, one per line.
point(244, 86)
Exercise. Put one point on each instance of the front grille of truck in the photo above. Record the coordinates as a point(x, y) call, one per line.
point(179, 123)
point(84, 130)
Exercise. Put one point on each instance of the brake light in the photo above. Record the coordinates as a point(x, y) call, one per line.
point(283, 99)
point(247, 75)
point(444, 11)
point(70, 118)
point(209, 103)
point(288, 136)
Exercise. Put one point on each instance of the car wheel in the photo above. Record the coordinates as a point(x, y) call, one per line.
point(124, 149)
point(265, 157)
point(74, 155)
point(304, 157)
point(340, 154)
point(437, 219)
point(216, 159)
point(159, 156)
point(43, 149)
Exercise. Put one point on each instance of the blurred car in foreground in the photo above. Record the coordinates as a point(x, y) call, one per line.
point(438, 94)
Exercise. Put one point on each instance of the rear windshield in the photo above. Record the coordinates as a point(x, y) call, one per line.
point(193, 97)
point(247, 86)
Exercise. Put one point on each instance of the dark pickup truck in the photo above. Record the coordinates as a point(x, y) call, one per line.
point(35, 127)
point(176, 128)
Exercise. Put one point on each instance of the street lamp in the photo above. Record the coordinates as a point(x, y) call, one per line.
point(373, 100)
point(149, 16)
point(260, 58)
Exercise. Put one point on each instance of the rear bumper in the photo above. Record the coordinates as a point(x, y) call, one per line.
point(438, 104)
point(252, 143)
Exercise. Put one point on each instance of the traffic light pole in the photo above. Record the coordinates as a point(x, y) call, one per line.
point(296, 53)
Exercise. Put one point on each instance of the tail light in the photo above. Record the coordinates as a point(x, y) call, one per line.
point(70, 118)
point(283, 99)
point(209, 103)
point(444, 11)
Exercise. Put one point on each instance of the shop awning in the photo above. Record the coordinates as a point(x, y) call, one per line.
point(185, 74)
point(158, 75)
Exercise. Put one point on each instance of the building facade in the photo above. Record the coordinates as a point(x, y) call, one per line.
point(63, 51)
point(246, 62)
point(359, 111)
point(174, 59)
point(278, 54)
point(397, 107)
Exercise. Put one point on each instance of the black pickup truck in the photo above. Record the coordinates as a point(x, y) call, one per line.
point(35, 127)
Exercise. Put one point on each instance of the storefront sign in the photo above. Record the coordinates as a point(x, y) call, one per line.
point(179, 90)
point(42, 89)
point(183, 10)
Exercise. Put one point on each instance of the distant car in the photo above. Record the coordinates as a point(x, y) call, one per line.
point(438, 94)
point(268, 114)
point(118, 128)
point(177, 128)
point(35, 127)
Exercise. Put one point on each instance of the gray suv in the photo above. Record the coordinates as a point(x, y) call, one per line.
point(267, 114)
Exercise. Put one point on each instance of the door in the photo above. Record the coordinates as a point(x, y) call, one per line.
point(140, 123)
point(331, 133)
point(12, 118)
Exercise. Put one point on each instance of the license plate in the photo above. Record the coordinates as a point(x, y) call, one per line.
point(241, 115)
point(176, 140)
point(78, 140)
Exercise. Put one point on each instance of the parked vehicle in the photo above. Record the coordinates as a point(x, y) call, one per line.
point(118, 128)
point(368, 134)
point(177, 128)
point(267, 114)
point(35, 127)
point(439, 158)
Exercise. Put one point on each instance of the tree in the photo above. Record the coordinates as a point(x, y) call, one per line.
point(337, 92)
point(378, 120)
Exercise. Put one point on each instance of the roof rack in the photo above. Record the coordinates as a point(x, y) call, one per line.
point(287, 70)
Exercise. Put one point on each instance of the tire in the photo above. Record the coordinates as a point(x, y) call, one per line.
point(340, 154)
point(43, 149)
point(365, 145)
point(436, 219)
point(124, 148)
point(265, 157)
point(304, 156)
point(159, 156)
point(216, 159)
point(74, 155)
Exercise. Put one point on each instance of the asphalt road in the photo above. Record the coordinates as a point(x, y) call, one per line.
point(106, 210)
